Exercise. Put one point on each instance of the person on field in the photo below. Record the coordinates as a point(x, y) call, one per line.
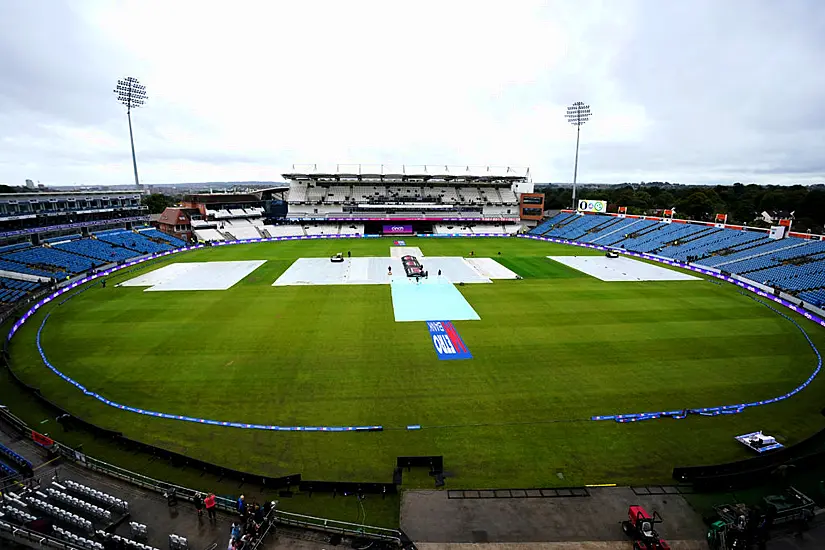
point(235, 533)
point(198, 500)
point(210, 504)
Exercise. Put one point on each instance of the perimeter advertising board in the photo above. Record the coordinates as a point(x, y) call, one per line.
point(398, 229)
point(598, 207)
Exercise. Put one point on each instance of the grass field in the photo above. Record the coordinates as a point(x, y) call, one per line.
point(549, 352)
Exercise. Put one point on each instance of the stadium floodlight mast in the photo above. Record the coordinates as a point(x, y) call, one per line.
point(132, 94)
point(577, 114)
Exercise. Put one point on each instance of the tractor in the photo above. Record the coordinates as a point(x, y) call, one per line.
point(639, 527)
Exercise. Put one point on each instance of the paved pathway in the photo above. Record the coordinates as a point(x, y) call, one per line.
point(430, 516)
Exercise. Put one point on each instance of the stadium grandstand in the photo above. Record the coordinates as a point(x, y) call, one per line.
point(46, 238)
point(792, 263)
point(226, 216)
point(49, 237)
point(427, 198)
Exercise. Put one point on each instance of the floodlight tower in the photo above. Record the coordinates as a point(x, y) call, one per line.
point(577, 114)
point(132, 94)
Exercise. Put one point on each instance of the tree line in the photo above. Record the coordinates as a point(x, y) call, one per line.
point(742, 203)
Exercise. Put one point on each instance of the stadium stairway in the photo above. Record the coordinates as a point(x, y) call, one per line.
point(616, 229)
point(739, 251)
point(591, 233)
point(574, 228)
point(590, 223)
point(764, 247)
point(710, 243)
point(686, 247)
point(639, 230)
point(550, 223)
point(804, 248)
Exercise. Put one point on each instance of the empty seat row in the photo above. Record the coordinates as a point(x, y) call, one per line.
point(12, 247)
point(815, 297)
point(9, 296)
point(20, 515)
point(17, 267)
point(177, 542)
point(61, 514)
point(70, 537)
point(616, 230)
point(135, 241)
point(6, 470)
point(16, 284)
point(762, 245)
point(86, 507)
point(15, 458)
point(128, 543)
point(632, 231)
point(137, 530)
point(97, 250)
point(65, 260)
point(100, 496)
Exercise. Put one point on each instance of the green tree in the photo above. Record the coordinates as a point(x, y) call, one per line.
point(157, 202)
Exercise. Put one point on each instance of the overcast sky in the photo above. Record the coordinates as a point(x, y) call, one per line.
point(694, 91)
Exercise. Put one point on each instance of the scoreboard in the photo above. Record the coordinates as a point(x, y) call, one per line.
point(531, 206)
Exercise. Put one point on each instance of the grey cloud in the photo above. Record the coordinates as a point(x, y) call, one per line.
point(52, 62)
point(732, 90)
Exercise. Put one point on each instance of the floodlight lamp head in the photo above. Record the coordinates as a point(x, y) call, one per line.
point(130, 92)
point(578, 113)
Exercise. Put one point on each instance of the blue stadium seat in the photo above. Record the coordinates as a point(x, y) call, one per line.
point(42, 256)
point(98, 250)
point(155, 234)
point(546, 225)
point(12, 290)
point(134, 241)
point(576, 228)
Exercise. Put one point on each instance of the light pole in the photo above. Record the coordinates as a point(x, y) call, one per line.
point(577, 114)
point(131, 93)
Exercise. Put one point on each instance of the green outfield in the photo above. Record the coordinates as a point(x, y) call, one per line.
point(550, 351)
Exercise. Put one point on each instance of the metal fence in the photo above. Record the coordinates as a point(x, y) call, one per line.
point(186, 494)
point(33, 539)
point(229, 504)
